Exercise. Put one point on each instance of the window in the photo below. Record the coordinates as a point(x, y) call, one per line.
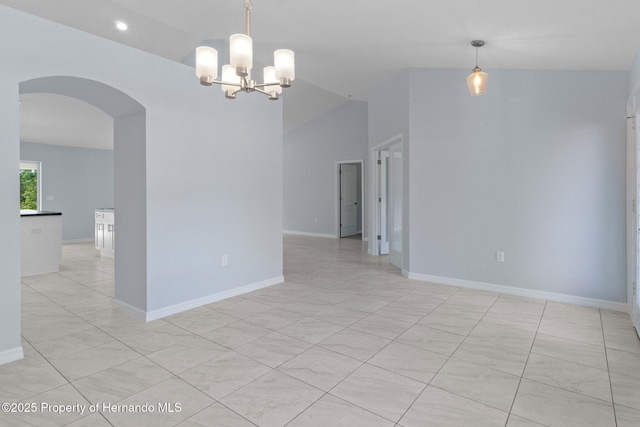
point(30, 185)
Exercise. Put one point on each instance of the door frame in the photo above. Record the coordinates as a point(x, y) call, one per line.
point(38, 164)
point(632, 197)
point(374, 212)
point(384, 182)
point(336, 197)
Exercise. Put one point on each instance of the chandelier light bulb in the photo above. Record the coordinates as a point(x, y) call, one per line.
point(284, 63)
point(206, 63)
point(229, 76)
point(241, 52)
point(270, 79)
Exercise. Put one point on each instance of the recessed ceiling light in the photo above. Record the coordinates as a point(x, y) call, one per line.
point(121, 26)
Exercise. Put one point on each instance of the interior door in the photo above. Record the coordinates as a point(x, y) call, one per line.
point(348, 200)
point(394, 230)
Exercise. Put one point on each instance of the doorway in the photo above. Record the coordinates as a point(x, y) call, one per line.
point(389, 195)
point(130, 186)
point(350, 204)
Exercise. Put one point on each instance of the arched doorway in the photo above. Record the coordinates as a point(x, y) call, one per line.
point(129, 119)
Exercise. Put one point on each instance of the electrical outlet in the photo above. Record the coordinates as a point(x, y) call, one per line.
point(36, 230)
point(285, 219)
point(224, 261)
point(500, 256)
point(315, 220)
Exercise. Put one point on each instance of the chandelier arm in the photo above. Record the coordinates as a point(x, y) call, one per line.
point(272, 96)
point(268, 84)
point(261, 91)
point(220, 82)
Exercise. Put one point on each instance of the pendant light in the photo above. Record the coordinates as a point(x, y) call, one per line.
point(477, 80)
point(236, 76)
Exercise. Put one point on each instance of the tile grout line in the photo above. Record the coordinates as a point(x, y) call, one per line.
point(606, 356)
point(525, 365)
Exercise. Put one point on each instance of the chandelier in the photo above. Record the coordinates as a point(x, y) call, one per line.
point(236, 76)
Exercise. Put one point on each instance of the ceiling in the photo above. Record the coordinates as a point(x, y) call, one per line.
point(344, 47)
point(61, 120)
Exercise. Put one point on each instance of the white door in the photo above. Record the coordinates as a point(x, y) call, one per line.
point(633, 221)
point(394, 229)
point(383, 198)
point(348, 200)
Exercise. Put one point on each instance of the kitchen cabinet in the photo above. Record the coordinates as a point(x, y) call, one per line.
point(40, 242)
point(105, 232)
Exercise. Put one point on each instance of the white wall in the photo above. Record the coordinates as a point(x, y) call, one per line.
point(535, 168)
point(310, 176)
point(79, 179)
point(207, 169)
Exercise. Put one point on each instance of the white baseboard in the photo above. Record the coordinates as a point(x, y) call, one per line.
point(523, 292)
point(11, 355)
point(72, 241)
point(304, 233)
point(148, 316)
point(130, 310)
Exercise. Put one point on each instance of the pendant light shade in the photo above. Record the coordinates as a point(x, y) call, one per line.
point(230, 77)
point(241, 52)
point(477, 80)
point(206, 63)
point(273, 88)
point(284, 63)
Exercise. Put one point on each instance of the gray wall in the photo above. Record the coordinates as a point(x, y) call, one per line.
point(80, 179)
point(535, 168)
point(10, 347)
point(310, 153)
point(130, 205)
point(207, 169)
point(634, 75)
point(389, 117)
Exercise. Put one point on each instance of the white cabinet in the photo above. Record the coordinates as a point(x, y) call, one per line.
point(40, 242)
point(105, 232)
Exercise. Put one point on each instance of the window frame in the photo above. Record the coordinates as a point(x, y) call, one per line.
point(27, 165)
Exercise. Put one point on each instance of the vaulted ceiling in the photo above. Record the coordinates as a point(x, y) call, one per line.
point(343, 47)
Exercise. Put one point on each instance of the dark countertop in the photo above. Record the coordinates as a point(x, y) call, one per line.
point(38, 213)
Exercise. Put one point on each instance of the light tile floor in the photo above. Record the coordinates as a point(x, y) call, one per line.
point(346, 341)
